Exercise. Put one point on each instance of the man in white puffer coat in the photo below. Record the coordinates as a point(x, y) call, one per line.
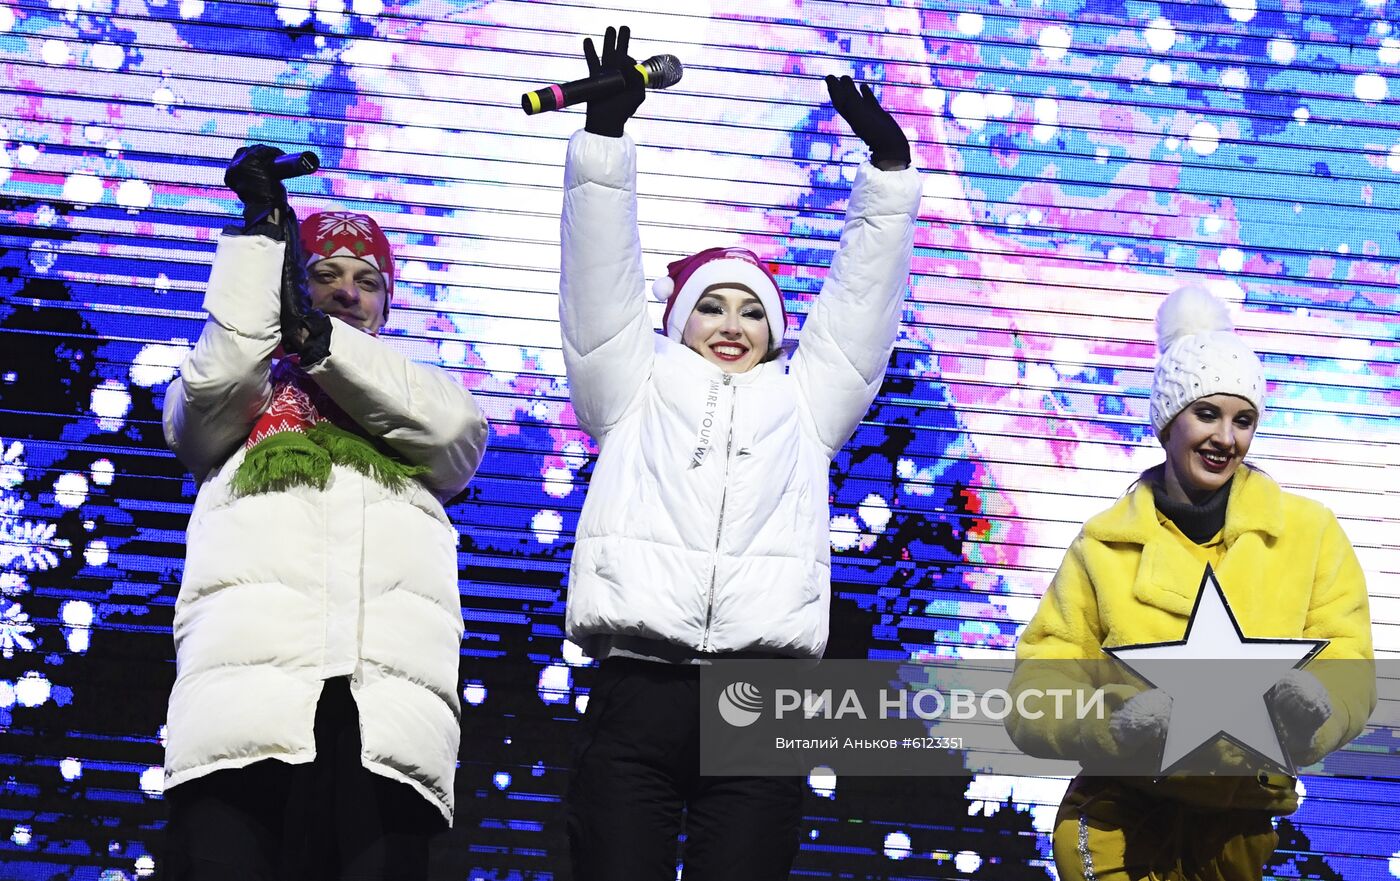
point(705, 532)
point(313, 728)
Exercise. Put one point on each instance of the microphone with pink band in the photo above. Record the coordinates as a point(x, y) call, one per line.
point(658, 72)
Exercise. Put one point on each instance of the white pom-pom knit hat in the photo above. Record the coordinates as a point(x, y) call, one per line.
point(688, 278)
point(1200, 356)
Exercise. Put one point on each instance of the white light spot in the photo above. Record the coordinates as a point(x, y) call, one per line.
point(7, 694)
point(897, 845)
point(368, 7)
point(82, 186)
point(581, 703)
point(474, 693)
point(1160, 73)
point(145, 866)
point(7, 19)
point(970, 24)
point(1282, 50)
point(558, 482)
point(845, 532)
point(970, 109)
point(1371, 87)
point(330, 12)
point(1212, 224)
point(1231, 260)
point(501, 779)
point(556, 681)
point(163, 98)
point(70, 490)
point(999, 104)
point(96, 553)
point(574, 455)
point(1393, 160)
point(31, 689)
point(27, 154)
point(875, 511)
point(573, 655)
point(547, 526)
point(22, 835)
point(1395, 864)
point(102, 472)
point(1302, 115)
point(153, 781)
point(1242, 10)
point(1389, 53)
point(967, 862)
point(54, 52)
point(76, 613)
point(293, 13)
point(107, 56)
point(133, 194)
point(1204, 138)
point(71, 769)
point(1234, 78)
point(1055, 42)
point(1160, 35)
point(191, 8)
point(822, 781)
point(1047, 119)
point(452, 352)
point(1344, 248)
point(111, 402)
point(156, 364)
point(94, 133)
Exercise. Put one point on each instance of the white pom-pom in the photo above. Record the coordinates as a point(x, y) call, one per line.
point(662, 288)
point(1187, 312)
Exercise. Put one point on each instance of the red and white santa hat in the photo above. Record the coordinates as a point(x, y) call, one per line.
point(347, 234)
point(688, 278)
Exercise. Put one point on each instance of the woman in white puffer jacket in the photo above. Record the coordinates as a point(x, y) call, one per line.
point(705, 532)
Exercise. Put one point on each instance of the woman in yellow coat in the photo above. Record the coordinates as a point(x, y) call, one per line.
point(1132, 576)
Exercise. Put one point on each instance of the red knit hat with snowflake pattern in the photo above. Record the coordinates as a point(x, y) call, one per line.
point(347, 234)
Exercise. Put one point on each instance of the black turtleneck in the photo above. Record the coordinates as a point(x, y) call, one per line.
point(1200, 522)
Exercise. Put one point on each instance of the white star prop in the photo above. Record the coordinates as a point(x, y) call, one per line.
point(1230, 701)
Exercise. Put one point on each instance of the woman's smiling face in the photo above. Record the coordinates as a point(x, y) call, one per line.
point(729, 327)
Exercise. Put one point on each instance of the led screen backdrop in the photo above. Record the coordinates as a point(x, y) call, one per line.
point(1085, 157)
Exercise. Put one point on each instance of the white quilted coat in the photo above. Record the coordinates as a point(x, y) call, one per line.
point(283, 590)
point(706, 524)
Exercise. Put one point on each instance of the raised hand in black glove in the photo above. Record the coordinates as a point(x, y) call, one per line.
point(607, 116)
point(252, 177)
point(889, 148)
point(306, 331)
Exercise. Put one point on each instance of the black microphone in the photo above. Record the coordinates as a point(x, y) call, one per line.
point(291, 165)
point(658, 72)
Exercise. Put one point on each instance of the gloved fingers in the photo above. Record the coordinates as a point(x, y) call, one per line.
point(624, 36)
point(609, 47)
point(590, 55)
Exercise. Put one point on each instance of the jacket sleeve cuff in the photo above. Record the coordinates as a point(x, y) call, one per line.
point(879, 193)
point(598, 159)
point(245, 284)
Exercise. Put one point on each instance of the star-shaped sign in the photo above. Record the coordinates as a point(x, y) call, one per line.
point(1227, 698)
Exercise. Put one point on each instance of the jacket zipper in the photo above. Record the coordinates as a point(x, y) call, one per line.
point(719, 526)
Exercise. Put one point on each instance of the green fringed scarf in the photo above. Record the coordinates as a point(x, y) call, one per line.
point(303, 434)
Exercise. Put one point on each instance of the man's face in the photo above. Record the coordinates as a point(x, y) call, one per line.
point(348, 289)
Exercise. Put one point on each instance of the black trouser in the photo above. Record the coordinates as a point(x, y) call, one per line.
point(636, 772)
point(329, 819)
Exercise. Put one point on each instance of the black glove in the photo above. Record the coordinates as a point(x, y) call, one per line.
point(250, 175)
point(306, 331)
point(607, 116)
point(889, 148)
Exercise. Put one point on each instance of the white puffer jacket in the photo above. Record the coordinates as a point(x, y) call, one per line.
point(283, 590)
point(706, 524)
